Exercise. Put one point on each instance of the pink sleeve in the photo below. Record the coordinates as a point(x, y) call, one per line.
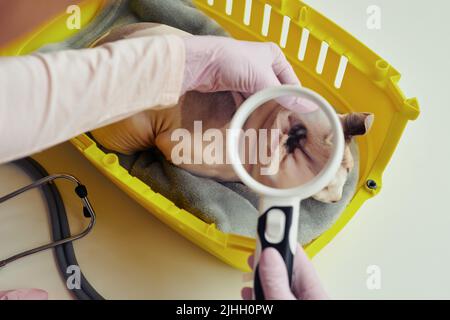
point(46, 99)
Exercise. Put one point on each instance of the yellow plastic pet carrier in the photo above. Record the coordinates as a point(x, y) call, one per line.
point(327, 59)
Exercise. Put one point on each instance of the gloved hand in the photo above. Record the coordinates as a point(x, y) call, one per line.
point(274, 279)
point(24, 294)
point(212, 64)
point(224, 64)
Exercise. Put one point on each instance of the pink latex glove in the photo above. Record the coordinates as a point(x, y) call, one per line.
point(224, 64)
point(272, 270)
point(24, 294)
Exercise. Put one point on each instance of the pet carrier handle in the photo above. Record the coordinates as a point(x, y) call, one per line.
point(277, 228)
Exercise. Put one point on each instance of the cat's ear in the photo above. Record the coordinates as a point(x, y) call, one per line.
point(291, 128)
point(356, 124)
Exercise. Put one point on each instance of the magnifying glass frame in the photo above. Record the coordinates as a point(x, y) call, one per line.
point(257, 100)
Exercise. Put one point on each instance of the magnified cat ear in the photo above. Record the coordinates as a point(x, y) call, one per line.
point(356, 124)
point(292, 128)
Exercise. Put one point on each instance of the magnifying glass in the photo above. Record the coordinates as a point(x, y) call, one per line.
point(302, 155)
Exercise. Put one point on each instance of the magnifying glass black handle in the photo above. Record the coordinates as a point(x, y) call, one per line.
point(274, 230)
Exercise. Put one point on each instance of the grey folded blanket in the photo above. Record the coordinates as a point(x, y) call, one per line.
point(231, 206)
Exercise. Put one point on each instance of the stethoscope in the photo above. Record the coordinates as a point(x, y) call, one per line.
point(88, 211)
point(62, 237)
point(280, 208)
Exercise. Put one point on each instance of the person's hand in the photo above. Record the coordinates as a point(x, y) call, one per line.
point(224, 64)
point(24, 294)
point(306, 284)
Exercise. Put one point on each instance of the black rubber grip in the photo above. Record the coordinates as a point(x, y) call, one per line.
point(86, 213)
point(81, 191)
point(283, 247)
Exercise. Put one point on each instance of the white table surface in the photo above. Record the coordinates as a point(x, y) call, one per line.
point(404, 231)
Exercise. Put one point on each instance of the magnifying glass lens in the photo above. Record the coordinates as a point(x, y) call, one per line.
point(286, 142)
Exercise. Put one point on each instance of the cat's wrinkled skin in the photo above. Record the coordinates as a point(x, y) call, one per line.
point(304, 143)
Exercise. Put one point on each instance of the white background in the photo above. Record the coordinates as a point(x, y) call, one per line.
point(404, 231)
